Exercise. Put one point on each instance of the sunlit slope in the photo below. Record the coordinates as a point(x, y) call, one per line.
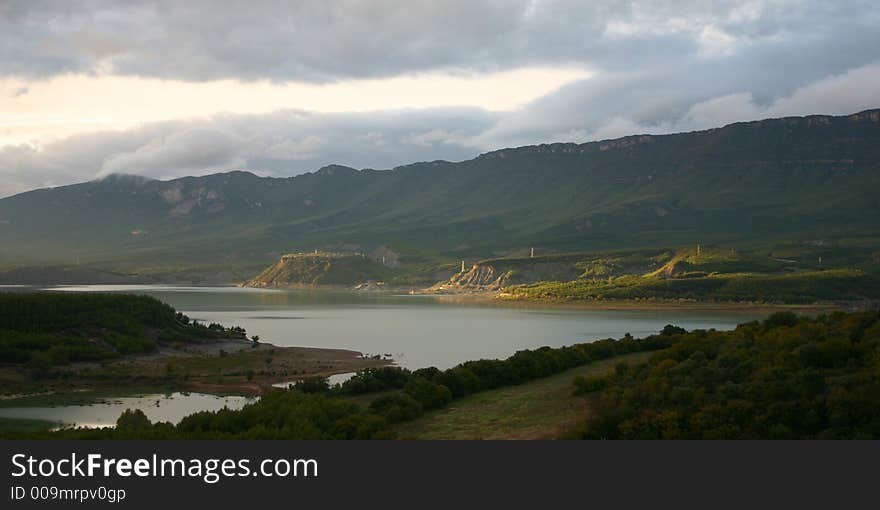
point(319, 268)
point(784, 179)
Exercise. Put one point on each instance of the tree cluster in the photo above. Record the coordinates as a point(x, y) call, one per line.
point(45, 329)
point(785, 377)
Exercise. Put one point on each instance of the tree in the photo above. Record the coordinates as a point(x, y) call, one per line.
point(313, 385)
point(396, 408)
point(133, 419)
point(430, 395)
point(40, 363)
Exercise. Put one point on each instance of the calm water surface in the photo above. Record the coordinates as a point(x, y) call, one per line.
point(417, 331)
point(171, 408)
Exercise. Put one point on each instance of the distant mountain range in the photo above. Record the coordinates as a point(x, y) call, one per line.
point(798, 179)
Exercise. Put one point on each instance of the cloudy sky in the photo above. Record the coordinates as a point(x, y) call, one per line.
point(171, 88)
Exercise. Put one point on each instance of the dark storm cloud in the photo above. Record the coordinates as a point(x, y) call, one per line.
point(325, 41)
point(658, 67)
point(303, 41)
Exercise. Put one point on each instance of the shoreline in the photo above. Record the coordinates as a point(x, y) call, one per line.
point(498, 298)
point(493, 298)
point(228, 367)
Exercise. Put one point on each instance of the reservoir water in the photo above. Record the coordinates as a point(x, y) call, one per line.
point(417, 331)
point(172, 408)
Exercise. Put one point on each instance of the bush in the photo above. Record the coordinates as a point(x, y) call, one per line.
point(133, 419)
point(40, 363)
point(376, 379)
point(396, 408)
point(312, 385)
point(781, 319)
point(460, 381)
point(669, 330)
point(430, 395)
point(584, 385)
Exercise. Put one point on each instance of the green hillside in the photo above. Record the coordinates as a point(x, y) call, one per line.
point(705, 274)
point(793, 180)
point(787, 377)
point(45, 329)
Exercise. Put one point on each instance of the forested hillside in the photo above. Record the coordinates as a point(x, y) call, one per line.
point(40, 330)
point(809, 179)
point(783, 378)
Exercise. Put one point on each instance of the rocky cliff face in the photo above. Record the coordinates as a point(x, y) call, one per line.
point(479, 277)
point(319, 268)
point(497, 274)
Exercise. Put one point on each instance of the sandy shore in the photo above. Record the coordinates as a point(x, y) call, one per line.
point(491, 298)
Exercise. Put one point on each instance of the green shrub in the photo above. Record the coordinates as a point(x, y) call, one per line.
point(312, 385)
point(429, 394)
point(396, 407)
point(784, 377)
point(133, 420)
point(584, 385)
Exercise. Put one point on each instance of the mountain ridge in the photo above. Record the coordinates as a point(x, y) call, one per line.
point(792, 179)
point(869, 115)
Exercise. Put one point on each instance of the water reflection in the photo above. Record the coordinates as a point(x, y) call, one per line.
point(418, 331)
point(171, 408)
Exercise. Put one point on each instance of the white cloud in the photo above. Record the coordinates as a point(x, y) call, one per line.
point(372, 138)
point(432, 137)
point(277, 143)
point(181, 152)
point(295, 141)
point(92, 87)
point(71, 104)
point(616, 128)
point(849, 92)
point(722, 110)
point(298, 149)
point(715, 42)
point(852, 91)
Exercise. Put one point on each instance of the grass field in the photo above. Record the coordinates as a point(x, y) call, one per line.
point(540, 409)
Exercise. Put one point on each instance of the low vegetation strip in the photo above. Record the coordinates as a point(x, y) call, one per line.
point(799, 288)
point(545, 408)
point(433, 388)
